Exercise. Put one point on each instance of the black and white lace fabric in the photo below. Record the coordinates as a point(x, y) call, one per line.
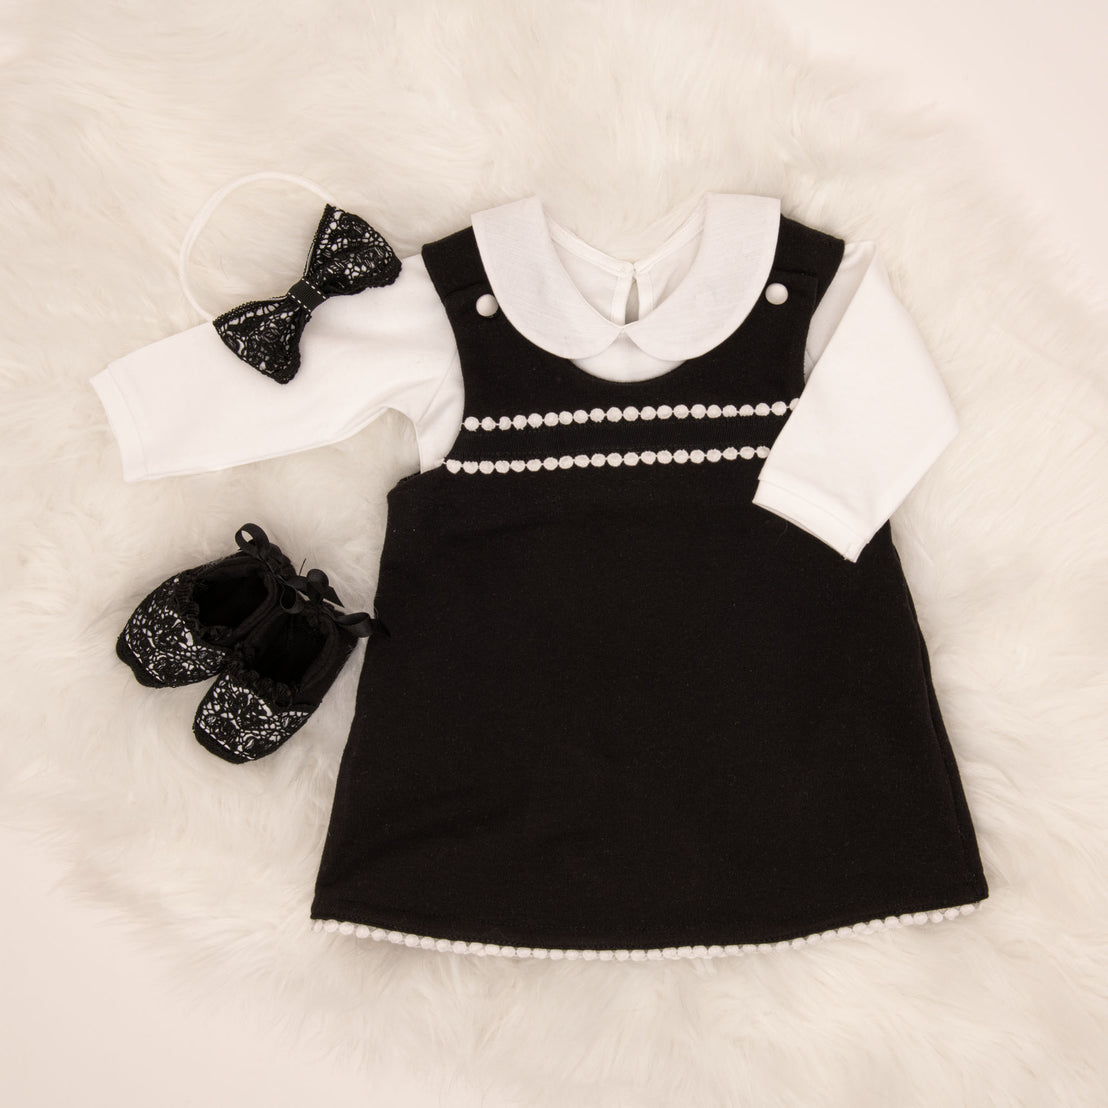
point(164, 643)
point(347, 256)
point(240, 723)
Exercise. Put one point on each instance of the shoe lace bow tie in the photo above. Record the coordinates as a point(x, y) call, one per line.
point(347, 256)
point(252, 540)
point(314, 590)
point(300, 592)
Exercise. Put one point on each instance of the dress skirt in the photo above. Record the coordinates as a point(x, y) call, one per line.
point(620, 711)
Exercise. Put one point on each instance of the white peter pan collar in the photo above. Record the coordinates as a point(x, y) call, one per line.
point(738, 240)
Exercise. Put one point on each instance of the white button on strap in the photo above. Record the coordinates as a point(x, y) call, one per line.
point(487, 304)
point(777, 293)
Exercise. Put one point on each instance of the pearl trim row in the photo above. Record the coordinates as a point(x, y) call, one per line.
point(630, 413)
point(459, 946)
point(615, 458)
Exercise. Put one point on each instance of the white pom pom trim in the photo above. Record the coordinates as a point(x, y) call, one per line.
point(615, 458)
point(629, 413)
point(460, 946)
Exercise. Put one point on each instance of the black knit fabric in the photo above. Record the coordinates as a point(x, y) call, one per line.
point(620, 706)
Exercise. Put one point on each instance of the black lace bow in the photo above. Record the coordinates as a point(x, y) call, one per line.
point(347, 256)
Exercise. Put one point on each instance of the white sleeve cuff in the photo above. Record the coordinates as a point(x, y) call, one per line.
point(121, 420)
point(801, 507)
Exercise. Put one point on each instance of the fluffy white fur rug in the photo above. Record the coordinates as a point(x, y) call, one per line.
point(118, 125)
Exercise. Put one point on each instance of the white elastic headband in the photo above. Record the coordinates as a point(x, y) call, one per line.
point(212, 203)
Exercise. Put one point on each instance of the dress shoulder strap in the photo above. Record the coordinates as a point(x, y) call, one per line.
point(213, 201)
point(454, 262)
point(807, 250)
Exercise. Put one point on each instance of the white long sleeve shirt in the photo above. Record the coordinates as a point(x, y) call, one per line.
point(871, 419)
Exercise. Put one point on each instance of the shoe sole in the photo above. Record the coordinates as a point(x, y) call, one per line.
point(213, 747)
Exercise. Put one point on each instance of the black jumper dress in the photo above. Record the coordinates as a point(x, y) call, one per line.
point(621, 710)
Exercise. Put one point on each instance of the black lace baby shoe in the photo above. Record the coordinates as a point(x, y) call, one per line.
point(276, 677)
point(185, 629)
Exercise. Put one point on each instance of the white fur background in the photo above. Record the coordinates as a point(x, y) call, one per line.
point(116, 126)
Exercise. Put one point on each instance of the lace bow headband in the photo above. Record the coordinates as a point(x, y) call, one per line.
point(347, 256)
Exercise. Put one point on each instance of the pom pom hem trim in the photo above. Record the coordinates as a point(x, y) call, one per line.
point(459, 946)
